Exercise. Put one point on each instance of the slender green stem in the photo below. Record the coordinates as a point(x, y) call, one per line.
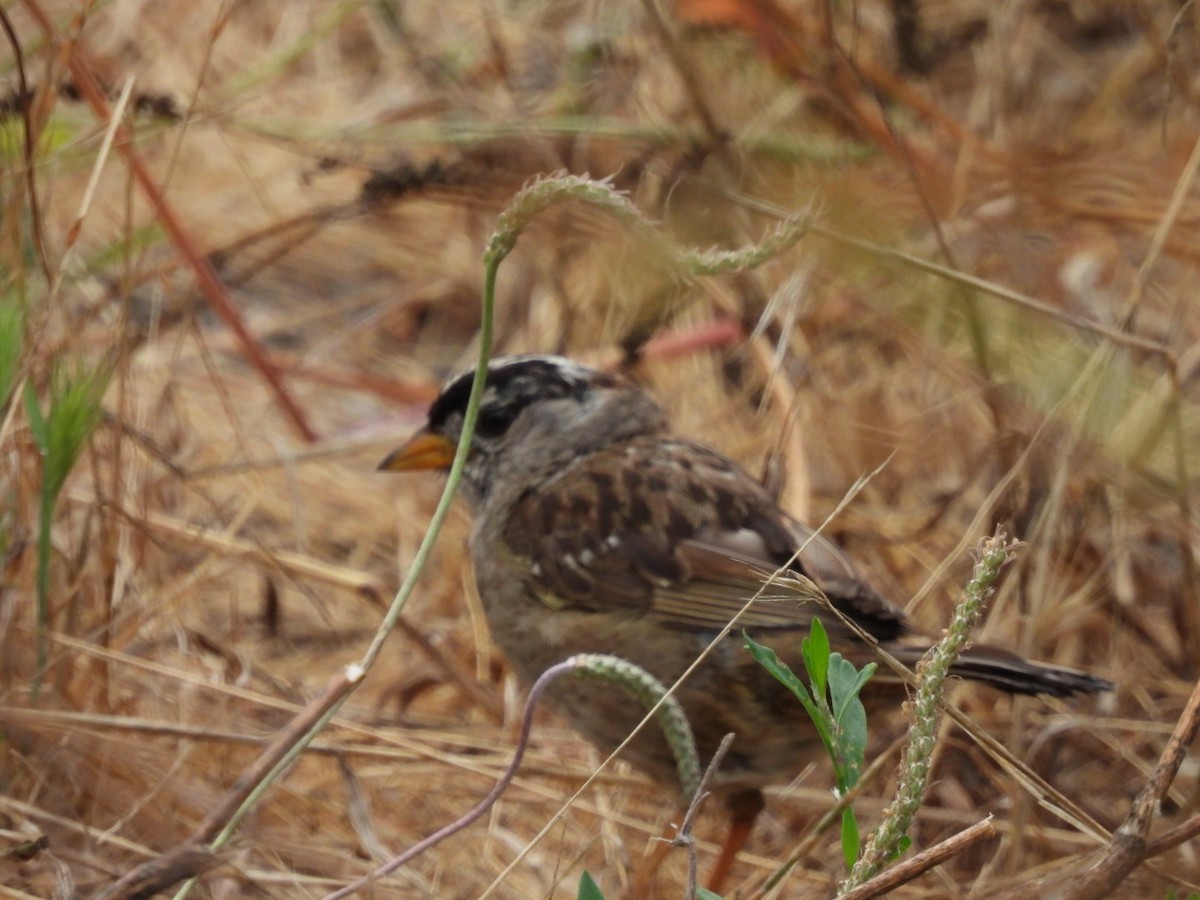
point(420, 558)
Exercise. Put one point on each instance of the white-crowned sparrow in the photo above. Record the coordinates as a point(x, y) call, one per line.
point(597, 531)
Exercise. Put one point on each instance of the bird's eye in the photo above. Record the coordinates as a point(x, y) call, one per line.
point(493, 421)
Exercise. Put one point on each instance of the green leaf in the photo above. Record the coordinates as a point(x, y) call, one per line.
point(588, 889)
point(842, 727)
point(768, 659)
point(12, 342)
point(75, 411)
point(845, 683)
point(37, 422)
point(841, 720)
point(55, 133)
point(815, 650)
point(706, 894)
point(850, 839)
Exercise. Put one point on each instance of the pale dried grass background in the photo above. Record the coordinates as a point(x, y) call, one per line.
point(212, 570)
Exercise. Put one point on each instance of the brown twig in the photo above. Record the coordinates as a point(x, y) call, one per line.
point(683, 837)
point(148, 878)
point(1130, 846)
point(1173, 837)
point(691, 82)
point(339, 686)
point(28, 147)
point(904, 872)
point(180, 864)
point(206, 276)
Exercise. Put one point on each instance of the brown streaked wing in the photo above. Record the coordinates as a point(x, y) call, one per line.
point(672, 529)
point(605, 533)
point(845, 586)
point(718, 585)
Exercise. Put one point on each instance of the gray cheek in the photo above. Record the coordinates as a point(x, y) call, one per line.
point(477, 478)
point(543, 421)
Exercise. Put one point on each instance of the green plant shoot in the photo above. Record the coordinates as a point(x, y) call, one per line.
point(60, 435)
point(836, 710)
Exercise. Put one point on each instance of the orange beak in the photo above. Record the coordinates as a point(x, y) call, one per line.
point(423, 451)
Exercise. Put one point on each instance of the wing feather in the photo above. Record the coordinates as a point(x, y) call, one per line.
point(687, 538)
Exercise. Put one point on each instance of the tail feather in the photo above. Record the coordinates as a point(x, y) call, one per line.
point(1007, 671)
